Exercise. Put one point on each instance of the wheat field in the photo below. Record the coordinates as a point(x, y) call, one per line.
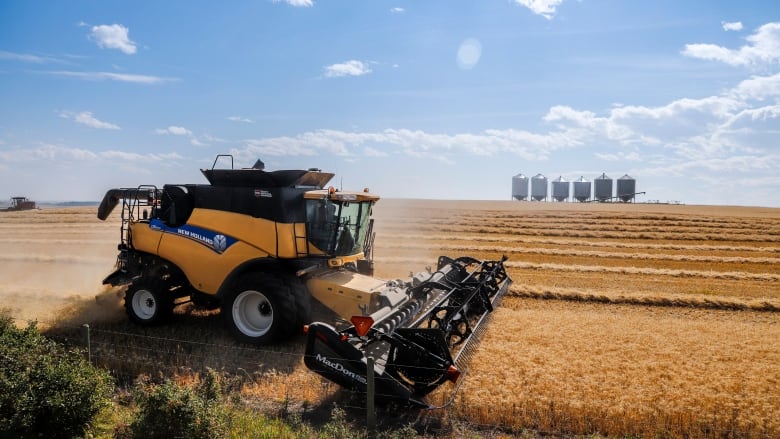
point(623, 319)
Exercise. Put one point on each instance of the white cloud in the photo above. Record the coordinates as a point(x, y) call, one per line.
point(240, 119)
point(763, 48)
point(86, 118)
point(415, 143)
point(297, 3)
point(174, 130)
point(373, 152)
point(281, 146)
point(212, 139)
point(545, 8)
point(731, 132)
point(566, 113)
point(135, 157)
point(348, 68)
point(758, 87)
point(619, 156)
point(26, 57)
point(122, 77)
point(55, 153)
point(59, 153)
point(113, 36)
point(732, 135)
point(732, 26)
point(183, 132)
point(397, 10)
point(46, 152)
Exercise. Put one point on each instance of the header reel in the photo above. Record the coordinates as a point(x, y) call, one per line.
point(419, 345)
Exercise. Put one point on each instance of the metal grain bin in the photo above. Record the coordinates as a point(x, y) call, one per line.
point(602, 188)
point(560, 189)
point(539, 187)
point(582, 189)
point(520, 187)
point(626, 188)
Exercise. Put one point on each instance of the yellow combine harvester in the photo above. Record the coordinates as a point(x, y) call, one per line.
point(261, 245)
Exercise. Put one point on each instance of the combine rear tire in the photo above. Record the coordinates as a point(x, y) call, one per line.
point(262, 309)
point(147, 305)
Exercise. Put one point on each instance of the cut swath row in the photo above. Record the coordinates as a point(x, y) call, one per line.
point(727, 275)
point(568, 243)
point(580, 233)
point(454, 248)
point(617, 223)
point(664, 299)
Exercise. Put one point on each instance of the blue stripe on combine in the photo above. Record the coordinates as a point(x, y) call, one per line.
point(217, 242)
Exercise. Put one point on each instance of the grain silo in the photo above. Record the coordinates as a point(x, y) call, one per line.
point(560, 189)
point(520, 187)
point(626, 188)
point(582, 190)
point(602, 188)
point(539, 187)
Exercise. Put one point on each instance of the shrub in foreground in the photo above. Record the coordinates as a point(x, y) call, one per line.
point(46, 390)
point(171, 410)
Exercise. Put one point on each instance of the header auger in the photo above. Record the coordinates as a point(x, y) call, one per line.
point(260, 245)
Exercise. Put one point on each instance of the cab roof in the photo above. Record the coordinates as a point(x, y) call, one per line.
point(335, 195)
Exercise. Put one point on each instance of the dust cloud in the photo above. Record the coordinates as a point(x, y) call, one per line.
point(405, 242)
point(52, 263)
point(400, 219)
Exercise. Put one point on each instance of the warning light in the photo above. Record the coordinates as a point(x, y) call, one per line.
point(331, 190)
point(305, 329)
point(453, 374)
point(362, 324)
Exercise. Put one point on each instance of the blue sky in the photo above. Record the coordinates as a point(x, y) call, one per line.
point(413, 99)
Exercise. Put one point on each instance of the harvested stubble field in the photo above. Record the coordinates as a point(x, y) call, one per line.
point(649, 320)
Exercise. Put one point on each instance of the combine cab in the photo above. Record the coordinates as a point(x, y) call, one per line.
point(261, 245)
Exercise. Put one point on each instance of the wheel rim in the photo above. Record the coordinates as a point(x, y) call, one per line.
point(144, 304)
point(253, 313)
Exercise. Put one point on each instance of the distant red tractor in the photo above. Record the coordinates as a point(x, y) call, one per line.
point(21, 203)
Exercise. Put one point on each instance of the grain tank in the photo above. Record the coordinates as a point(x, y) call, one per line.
point(520, 187)
point(602, 188)
point(539, 187)
point(626, 188)
point(582, 189)
point(560, 189)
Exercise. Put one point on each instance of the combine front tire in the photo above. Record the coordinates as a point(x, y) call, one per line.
point(262, 309)
point(147, 305)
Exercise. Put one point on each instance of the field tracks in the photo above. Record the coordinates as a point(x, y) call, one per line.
point(417, 237)
point(578, 253)
point(582, 232)
point(622, 320)
point(525, 292)
point(593, 254)
point(729, 275)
